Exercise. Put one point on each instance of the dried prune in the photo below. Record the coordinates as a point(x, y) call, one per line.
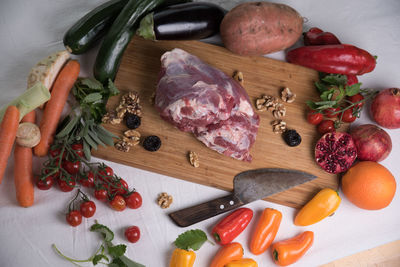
point(152, 143)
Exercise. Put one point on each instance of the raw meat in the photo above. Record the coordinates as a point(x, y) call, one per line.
point(201, 99)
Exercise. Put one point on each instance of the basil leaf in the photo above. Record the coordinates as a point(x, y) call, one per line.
point(192, 239)
point(335, 79)
point(353, 89)
point(327, 95)
point(311, 104)
point(91, 98)
point(98, 258)
point(111, 88)
point(107, 234)
point(128, 262)
point(117, 250)
point(321, 87)
point(92, 84)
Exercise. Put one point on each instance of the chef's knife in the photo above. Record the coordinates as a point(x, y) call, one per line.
point(248, 186)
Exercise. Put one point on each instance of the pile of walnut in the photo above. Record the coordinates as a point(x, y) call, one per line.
point(268, 102)
point(130, 103)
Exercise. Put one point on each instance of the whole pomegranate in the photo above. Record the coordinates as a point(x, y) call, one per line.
point(372, 142)
point(385, 108)
point(335, 152)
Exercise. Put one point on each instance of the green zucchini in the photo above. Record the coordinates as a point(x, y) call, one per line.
point(121, 32)
point(91, 27)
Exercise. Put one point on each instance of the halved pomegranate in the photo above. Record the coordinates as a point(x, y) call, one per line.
point(335, 152)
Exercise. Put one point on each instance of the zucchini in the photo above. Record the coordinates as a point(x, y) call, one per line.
point(121, 32)
point(91, 27)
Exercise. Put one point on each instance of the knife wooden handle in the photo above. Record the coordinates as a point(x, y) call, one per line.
point(198, 213)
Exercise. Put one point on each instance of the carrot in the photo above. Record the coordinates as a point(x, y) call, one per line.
point(8, 132)
point(23, 173)
point(52, 112)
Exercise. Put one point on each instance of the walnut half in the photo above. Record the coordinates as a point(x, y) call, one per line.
point(164, 200)
point(194, 159)
point(279, 126)
point(287, 95)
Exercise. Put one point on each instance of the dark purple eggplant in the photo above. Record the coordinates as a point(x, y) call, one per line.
point(189, 21)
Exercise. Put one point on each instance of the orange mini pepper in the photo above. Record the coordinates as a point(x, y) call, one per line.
point(182, 258)
point(291, 250)
point(230, 252)
point(265, 231)
point(323, 204)
point(242, 263)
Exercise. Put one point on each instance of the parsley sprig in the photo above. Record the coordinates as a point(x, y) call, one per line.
point(106, 251)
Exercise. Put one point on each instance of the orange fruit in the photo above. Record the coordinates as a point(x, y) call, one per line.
point(369, 185)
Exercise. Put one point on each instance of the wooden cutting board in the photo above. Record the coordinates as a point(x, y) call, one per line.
point(139, 71)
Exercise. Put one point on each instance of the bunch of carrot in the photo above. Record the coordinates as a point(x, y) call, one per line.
point(23, 174)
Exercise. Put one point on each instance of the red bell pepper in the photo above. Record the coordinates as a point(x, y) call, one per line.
point(341, 59)
point(316, 36)
point(232, 225)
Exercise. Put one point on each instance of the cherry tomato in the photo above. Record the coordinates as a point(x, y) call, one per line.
point(326, 126)
point(88, 180)
point(66, 186)
point(134, 200)
point(74, 218)
point(314, 117)
point(329, 112)
point(132, 233)
point(106, 171)
point(78, 148)
point(45, 184)
point(348, 115)
point(88, 208)
point(120, 187)
point(71, 167)
point(101, 194)
point(118, 203)
point(55, 153)
point(356, 98)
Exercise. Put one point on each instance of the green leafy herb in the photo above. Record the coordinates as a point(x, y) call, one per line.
point(191, 239)
point(333, 90)
point(111, 88)
point(116, 252)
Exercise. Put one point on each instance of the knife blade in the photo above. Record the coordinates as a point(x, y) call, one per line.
point(248, 186)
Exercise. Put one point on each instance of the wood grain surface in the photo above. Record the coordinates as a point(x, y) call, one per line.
point(139, 72)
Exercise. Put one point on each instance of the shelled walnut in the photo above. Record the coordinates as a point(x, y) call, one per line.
point(164, 200)
point(279, 126)
point(132, 137)
point(279, 111)
point(287, 95)
point(194, 159)
point(130, 102)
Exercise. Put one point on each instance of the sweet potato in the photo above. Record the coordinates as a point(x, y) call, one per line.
point(259, 28)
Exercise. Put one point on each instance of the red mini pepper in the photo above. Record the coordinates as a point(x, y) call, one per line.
point(232, 225)
point(316, 36)
point(341, 59)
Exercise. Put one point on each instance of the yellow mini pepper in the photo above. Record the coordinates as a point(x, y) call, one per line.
point(323, 204)
point(182, 258)
point(242, 263)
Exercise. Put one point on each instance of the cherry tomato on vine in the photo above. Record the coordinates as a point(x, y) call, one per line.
point(314, 117)
point(120, 187)
point(329, 112)
point(326, 126)
point(106, 171)
point(78, 148)
point(101, 194)
point(88, 180)
point(74, 218)
point(55, 153)
point(356, 98)
point(132, 233)
point(45, 184)
point(88, 208)
point(66, 186)
point(133, 200)
point(348, 115)
point(118, 203)
point(71, 167)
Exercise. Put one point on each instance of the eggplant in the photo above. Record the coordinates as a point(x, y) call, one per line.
point(188, 21)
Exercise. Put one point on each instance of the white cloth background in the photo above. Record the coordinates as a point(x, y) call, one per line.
point(30, 30)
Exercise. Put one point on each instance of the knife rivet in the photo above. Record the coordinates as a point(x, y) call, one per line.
point(222, 207)
point(231, 202)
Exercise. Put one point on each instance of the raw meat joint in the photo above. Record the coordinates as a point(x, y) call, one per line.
point(201, 99)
